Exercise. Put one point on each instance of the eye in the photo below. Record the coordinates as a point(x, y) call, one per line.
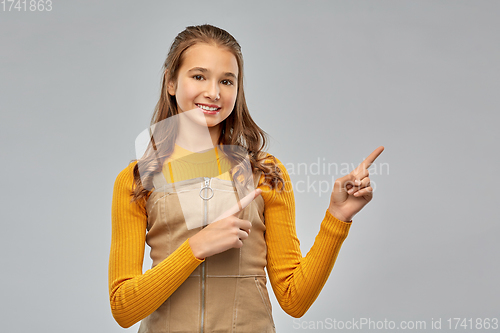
point(227, 82)
point(198, 77)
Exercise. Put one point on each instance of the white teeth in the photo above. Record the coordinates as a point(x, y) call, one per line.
point(206, 107)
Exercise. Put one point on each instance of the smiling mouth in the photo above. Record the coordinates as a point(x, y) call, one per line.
point(208, 108)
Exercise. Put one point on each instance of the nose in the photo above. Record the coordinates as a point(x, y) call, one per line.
point(212, 92)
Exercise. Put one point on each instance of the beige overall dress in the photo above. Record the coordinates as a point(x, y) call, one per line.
point(225, 293)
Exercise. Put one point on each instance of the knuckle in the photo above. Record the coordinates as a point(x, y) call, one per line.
point(238, 243)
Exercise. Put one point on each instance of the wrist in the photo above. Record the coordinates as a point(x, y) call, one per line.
point(339, 216)
point(197, 253)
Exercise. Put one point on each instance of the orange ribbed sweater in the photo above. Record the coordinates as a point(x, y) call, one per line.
point(296, 280)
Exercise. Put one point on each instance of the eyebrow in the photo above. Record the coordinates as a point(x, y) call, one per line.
point(204, 70)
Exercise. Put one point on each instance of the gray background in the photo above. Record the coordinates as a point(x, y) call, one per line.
point(326, 79)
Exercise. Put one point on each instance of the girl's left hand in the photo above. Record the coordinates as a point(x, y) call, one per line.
point(353, 191)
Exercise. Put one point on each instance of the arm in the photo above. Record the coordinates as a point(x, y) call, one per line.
point(296, 280)
point(134, 295)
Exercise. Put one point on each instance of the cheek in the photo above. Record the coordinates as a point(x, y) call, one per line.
point(232, 98)
point(185, 92)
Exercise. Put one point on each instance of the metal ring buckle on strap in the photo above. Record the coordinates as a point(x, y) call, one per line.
point(211, 194)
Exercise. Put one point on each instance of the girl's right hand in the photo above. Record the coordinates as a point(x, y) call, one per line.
point(227, 232)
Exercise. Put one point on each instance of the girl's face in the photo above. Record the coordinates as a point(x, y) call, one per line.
point(207, 80)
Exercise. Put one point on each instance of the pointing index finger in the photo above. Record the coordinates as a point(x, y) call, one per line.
point(240, 205)
point(372, 157)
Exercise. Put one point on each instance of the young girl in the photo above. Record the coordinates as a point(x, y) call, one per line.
point(209, 276)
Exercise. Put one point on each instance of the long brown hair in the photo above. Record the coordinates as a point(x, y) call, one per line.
point(238, 129)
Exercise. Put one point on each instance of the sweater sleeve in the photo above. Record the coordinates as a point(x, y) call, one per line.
point(296, 280)
point(134, 295)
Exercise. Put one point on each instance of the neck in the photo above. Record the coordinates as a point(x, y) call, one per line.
point(214, 134)
point(196, 137)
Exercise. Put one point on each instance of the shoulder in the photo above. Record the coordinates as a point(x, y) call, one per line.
point(124, 210)
point(126, 176)
point(124, 183)
point(275, 169)
point(272, 161)
point(123, 189)
point(269, 159)
point(280, 194)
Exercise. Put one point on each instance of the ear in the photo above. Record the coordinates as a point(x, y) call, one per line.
point(170, 86)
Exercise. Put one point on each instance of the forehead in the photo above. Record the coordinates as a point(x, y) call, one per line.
point(211, 57)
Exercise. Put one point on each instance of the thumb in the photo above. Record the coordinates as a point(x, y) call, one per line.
point(343, 184)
